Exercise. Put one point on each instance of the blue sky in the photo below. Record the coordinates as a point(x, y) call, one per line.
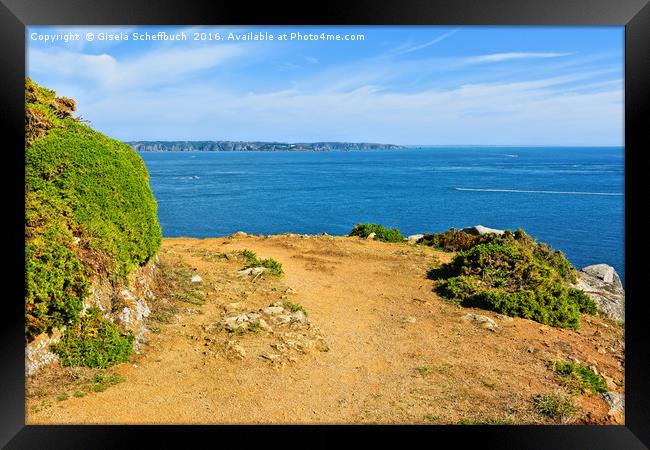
point(464, 85)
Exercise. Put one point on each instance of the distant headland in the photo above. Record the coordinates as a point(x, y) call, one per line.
point(253, 146)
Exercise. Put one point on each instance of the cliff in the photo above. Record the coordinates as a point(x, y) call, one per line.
point(243, 146)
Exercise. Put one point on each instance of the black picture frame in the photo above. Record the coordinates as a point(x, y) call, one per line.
point(15, 15)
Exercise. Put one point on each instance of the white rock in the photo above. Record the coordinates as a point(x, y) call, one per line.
point(483, 321)
point(414, 238)
point(252, 271)
point(273, 310)
point(616, 402)
point(264, 326)
point(299, 316)
point(196, 279)
point(602, 284)
point(371, 235)
point(603, 272)
point(480, 229)
point(282, 318)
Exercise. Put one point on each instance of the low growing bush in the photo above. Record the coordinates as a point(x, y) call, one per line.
point(381, 233)
point(274, 267)
point(513, 275)
point(94, 342)
point(580, 378)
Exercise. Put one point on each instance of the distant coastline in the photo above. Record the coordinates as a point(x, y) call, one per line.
point(254, 146)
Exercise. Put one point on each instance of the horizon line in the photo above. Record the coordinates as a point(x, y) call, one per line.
point(377, 143)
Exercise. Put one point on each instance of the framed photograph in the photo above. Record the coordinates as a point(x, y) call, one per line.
point(418, 216)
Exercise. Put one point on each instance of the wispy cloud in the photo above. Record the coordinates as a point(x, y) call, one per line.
point(415, 47)
point(158, 67)
point(509, 56)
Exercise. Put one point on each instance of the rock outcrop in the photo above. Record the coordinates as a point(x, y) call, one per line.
point(480, 230)
point(603, 285)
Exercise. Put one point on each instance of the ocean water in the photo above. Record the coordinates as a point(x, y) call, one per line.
point(571, 198)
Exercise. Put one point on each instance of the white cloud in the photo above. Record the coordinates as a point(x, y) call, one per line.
point(159, 67)
point(499, 57)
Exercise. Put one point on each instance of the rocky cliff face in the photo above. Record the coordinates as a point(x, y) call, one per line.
point(126, 304)
point(602, 284)
point(240, 146)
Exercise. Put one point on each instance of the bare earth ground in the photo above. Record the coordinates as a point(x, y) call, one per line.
point(395, 352)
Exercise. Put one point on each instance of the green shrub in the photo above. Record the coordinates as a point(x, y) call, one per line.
point(88, 208)
point(579, 377)
point(512, 274)
point(383, 234)
point(452, 240)
point(274, 267)
point(94, 342)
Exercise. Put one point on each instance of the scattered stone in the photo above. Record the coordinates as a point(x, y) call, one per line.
point(263, 325)
point(280, 319)
point(530, 350)
point(480, 230)
point(299, 316)
point(196, 279)
point(410, 319)
point(238, 234)
point(252, 271)
point(504, 317)
point(602, 350)
point(235, 349)
point(594, 369)
point(603, 285)
point(290, 291)
point(273, 310)
point(483, 321)
point(414, 238)
point(270, 356)
point(371, 235)
point(616, 402)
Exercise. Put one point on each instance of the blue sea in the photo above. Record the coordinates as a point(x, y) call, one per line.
point(572, 198)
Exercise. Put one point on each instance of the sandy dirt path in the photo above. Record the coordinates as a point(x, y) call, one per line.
point(397, 352)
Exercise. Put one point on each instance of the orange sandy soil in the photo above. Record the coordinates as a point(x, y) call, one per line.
point(361, 296)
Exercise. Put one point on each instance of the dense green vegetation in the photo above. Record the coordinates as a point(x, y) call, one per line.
point(452, 240)
point(89, 210)
point(382, 234)
point(511, 274)
point(94, 342)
